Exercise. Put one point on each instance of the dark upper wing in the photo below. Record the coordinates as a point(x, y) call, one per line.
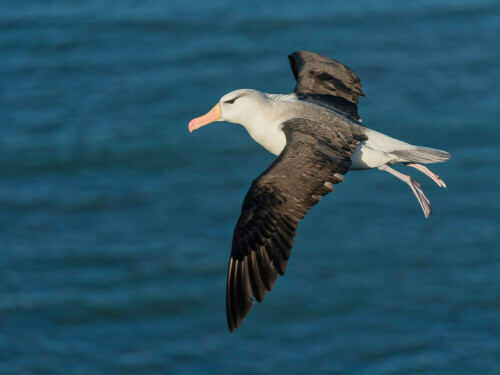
point(326, 82)
point(315, 156)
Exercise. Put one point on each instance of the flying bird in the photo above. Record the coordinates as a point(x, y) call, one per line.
point(317, 134)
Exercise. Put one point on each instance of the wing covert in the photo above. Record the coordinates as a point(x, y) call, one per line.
point(326, 82)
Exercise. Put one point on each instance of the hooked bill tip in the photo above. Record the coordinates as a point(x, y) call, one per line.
point(213, 115)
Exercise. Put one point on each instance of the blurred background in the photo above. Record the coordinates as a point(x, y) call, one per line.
point(116, 223)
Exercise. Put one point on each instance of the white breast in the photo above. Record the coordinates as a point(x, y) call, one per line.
point(265, 127)
point(271, 138)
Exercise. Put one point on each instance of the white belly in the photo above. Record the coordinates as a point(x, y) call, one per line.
point(376, 151)
point(366, 157)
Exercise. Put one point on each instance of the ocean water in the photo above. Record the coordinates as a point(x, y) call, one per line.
point(116, 223)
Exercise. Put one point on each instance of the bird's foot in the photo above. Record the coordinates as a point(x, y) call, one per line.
point(422, 199)
point(428, 173)
point(415, 187)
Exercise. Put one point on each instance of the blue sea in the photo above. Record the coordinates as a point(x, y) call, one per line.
point(116, 223)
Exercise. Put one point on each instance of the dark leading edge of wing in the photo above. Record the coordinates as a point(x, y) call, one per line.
point(316, 156)
point(326, 82)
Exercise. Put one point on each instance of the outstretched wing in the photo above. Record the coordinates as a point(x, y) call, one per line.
point(326, 82)
point(315, 157)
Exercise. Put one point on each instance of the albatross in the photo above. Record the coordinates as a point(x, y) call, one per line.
point(316, 133)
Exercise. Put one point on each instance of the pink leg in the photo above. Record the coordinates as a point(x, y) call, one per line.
point(415, 187)
point(427, 172)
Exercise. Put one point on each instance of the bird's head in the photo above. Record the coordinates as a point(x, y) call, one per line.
point(239, 106)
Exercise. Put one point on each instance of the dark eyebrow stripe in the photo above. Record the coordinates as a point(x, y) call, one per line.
point(231, 101)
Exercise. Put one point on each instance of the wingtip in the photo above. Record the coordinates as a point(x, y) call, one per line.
point(232, 325)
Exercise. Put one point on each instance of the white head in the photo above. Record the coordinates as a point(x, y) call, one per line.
point(239, 106)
